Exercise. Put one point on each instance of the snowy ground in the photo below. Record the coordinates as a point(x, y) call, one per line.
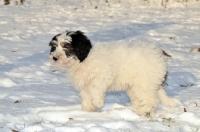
point(36, 98)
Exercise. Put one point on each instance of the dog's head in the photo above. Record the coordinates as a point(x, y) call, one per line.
point(68, 47)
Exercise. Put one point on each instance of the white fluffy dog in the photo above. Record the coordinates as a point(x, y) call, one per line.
point(140, 69)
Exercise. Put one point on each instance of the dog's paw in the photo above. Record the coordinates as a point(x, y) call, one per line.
point(145, 107)
point(87, 107)
point(98, 102)
point(145, 111)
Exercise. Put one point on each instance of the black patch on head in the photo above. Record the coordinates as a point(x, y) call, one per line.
point(55, 37)
point(81, 45)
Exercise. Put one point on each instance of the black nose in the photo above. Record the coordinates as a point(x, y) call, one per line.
point(55, 59)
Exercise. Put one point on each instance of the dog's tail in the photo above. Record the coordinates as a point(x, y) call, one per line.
point(166, 100)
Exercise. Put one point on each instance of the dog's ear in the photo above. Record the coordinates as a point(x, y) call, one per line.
point(81, 45)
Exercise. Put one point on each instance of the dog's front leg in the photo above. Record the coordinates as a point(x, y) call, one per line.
point(98, 97)
point(95, 94)
point(87, 103)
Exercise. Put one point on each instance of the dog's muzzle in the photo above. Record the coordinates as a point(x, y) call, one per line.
point(55, 59)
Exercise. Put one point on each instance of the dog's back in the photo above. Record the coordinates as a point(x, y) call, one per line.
point(128, 63)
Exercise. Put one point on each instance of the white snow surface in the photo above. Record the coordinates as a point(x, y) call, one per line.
point(35, 97)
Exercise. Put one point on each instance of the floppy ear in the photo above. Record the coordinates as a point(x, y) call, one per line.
point(81, 45)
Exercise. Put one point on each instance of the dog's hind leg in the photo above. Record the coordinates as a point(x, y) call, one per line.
point(144, 101)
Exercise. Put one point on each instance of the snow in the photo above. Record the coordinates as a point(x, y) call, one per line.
point(36, 97)
point(190, 117)
point(6, 82)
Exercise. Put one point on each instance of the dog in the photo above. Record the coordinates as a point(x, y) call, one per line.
point(139, 69)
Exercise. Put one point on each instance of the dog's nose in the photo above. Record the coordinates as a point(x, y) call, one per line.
point(55, 59)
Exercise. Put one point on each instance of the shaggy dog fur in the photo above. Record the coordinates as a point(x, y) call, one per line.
point(139, 69)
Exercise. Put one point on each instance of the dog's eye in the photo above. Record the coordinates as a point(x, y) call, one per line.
point(53, 44)
point(52, 49)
